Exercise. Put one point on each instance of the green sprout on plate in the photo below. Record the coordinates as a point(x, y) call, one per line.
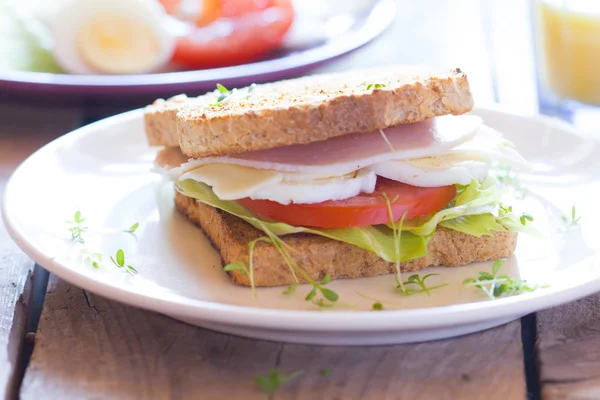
point(495, 286)
point(77, 228)
point(119, 261)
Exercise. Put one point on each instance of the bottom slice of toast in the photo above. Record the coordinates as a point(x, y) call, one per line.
point(318, 255)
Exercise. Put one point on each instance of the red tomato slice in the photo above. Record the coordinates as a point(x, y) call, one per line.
point(235, 8)
point(210, 10)
point(364, 209)
point(236, 37)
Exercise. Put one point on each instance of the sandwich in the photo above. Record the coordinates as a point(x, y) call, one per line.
point(342, 175)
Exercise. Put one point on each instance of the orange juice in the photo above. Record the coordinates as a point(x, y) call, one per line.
point(569, 48)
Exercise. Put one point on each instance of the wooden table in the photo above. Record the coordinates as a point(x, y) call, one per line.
point(88, 347)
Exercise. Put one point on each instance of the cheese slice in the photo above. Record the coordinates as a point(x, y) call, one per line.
point(232, 182)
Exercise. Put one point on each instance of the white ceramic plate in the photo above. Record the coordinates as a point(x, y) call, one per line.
point(104, 170)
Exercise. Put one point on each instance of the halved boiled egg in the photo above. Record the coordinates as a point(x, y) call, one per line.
point(112, 36)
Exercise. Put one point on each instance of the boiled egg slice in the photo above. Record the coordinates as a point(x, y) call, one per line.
point(319, 190)
point(459, 165)
point(433, 171)
point(111, 36)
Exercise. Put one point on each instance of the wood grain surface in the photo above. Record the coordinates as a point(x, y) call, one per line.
point(22, 131)
point(568, 350)
point(88, 347)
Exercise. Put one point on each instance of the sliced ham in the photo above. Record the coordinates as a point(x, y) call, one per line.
point(344, 154)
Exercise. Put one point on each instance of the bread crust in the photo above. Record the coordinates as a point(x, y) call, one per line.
point(307, 109)
point(318, 255)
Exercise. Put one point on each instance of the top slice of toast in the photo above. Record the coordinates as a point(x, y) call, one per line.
point(305, 110)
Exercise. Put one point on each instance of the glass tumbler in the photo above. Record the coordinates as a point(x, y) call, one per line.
point(567, 41)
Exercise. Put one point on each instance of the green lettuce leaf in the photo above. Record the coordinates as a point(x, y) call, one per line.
point(476, 225)
point(23, 47)
point(477, 198)
point(476, 211)
point(378, 239)
point(514, 223)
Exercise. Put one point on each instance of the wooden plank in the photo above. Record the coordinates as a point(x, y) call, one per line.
point(88, 347)
point(15, 281)
point(22, 131)
point(568, 350)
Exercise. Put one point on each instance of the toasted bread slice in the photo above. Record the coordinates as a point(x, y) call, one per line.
point(318, 255)
point(160, 119)
point(305, 110)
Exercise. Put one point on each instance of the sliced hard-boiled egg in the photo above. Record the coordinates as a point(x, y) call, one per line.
point(319, 190)
point(111, 36)
point(459, 165)
point(433, 171)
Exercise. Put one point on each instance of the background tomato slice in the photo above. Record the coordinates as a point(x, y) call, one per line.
point(362, 210)
point(231, 32)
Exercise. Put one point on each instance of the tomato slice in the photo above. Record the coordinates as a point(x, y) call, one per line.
point(210, 10)
point(237, 36)
point(229, 32)
point(362, 210)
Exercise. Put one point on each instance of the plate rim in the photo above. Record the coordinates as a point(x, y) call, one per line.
point(302, 320)
point(384, 10)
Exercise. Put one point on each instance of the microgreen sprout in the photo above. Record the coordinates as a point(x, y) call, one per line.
point(291, 288)
point(375, 86)
point(224, 94)
point(327, 293)
point(282, 247)
point(573, 220)
point(77, 228)
point(271, 382)
point(507, 212)
point(505, 209)
point(324, 372)
point(251, 90)
point(416, 280)
point(377, 306)
point(498, 286)
point(119, 261)
point(397, 233)
point(524, 218)
point(93, 259)
point(239, 265)
point(132, 228)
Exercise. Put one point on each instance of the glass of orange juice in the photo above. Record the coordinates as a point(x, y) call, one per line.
point(567, 36)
